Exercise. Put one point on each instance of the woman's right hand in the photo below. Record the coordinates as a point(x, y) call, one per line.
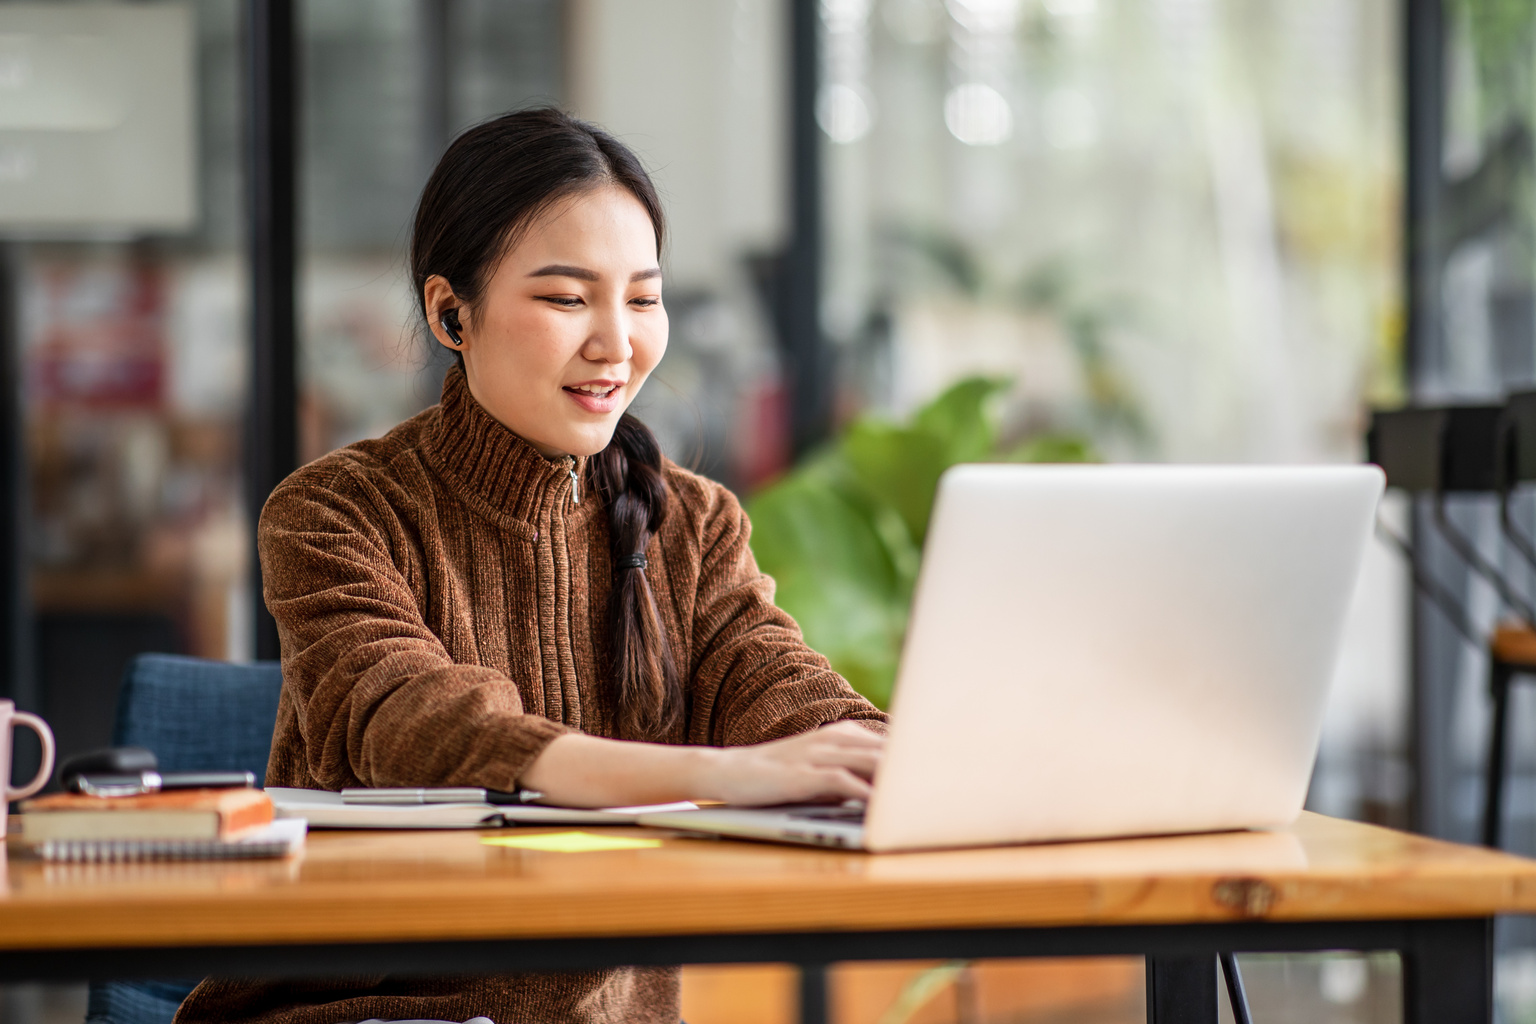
point(833, 763)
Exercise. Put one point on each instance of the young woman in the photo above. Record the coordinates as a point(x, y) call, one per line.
point(515, 588)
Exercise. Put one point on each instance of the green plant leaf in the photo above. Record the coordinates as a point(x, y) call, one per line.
point(964, 417)
point(900, 466)
point(897, 466)
point(1053, 448)
point(842, 533)
point(835, 577)
point(920, 990)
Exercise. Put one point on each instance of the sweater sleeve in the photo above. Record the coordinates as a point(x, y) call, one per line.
point(378, 699)
point(754, 677)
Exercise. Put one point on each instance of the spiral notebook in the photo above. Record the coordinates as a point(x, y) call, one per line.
point(279, 839)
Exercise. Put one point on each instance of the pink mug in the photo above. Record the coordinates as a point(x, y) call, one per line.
point(9, 717)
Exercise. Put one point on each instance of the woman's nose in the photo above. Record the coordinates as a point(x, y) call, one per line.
point(609, 340)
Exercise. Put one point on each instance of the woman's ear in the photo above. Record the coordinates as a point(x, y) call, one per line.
point(444, 315)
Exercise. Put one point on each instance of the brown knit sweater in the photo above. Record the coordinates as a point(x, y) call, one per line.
point(441, 595)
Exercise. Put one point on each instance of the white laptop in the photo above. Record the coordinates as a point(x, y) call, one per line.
point(1104, 651)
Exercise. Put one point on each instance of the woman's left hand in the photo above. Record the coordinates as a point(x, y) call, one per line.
point(835, 762)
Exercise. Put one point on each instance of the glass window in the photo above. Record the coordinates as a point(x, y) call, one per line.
point(1171, 224)
point(132, 324)
point(386, 84)
point(1475, 343)
point(700, 92)
point(1172, 221)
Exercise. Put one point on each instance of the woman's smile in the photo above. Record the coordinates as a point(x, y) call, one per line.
point(597, 396)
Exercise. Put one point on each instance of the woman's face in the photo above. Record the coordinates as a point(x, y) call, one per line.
point(570, 325)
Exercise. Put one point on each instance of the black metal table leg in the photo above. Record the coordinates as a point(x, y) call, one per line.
point(1448, 972)
point(1181, 990)
point(813, 994)
point(1493, 789)
point(1237, 998)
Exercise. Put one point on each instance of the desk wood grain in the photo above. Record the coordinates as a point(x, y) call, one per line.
point(405, 886)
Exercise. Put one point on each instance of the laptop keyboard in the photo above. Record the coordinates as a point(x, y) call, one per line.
point(852, 815)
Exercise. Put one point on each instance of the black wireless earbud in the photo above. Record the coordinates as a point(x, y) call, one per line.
point(450, 322)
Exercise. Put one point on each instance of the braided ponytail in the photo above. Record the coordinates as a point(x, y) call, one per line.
point(627, 477)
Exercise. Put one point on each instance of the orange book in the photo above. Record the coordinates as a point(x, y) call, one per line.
point(178, 814)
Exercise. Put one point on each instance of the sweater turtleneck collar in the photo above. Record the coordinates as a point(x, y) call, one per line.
point(479, 454)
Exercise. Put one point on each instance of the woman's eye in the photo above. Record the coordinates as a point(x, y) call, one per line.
point(646, 302)
point(562, 300)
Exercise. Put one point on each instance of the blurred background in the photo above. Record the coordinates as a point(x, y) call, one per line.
point(1118, 230)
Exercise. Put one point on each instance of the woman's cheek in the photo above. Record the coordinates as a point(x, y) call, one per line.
point(655, 346)
point(541, 339)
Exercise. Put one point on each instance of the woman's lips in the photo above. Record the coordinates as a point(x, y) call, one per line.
point(598, 402)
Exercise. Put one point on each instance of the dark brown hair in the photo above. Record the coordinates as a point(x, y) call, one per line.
point(493, 181)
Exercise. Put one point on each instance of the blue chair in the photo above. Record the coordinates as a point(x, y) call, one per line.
point(196, 715)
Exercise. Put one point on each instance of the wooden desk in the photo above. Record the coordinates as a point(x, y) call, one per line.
point(442, 902)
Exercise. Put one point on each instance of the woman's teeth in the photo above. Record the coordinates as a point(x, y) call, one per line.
point(593, 389)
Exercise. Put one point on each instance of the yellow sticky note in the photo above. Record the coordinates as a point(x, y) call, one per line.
point(571, 842)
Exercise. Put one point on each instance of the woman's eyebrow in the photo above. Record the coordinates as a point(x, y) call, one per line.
point(583, 274)
point(562, 270)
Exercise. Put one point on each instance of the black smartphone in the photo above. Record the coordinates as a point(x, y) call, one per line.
point(129, 771)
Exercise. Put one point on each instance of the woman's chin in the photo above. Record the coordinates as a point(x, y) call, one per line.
point(585, 442)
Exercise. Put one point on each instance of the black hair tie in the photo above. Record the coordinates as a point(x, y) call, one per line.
point(634, 561)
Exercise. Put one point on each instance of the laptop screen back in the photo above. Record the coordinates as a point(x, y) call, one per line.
point(1119, 650)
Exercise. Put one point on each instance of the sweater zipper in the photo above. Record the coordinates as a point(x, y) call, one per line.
point(570, 465)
